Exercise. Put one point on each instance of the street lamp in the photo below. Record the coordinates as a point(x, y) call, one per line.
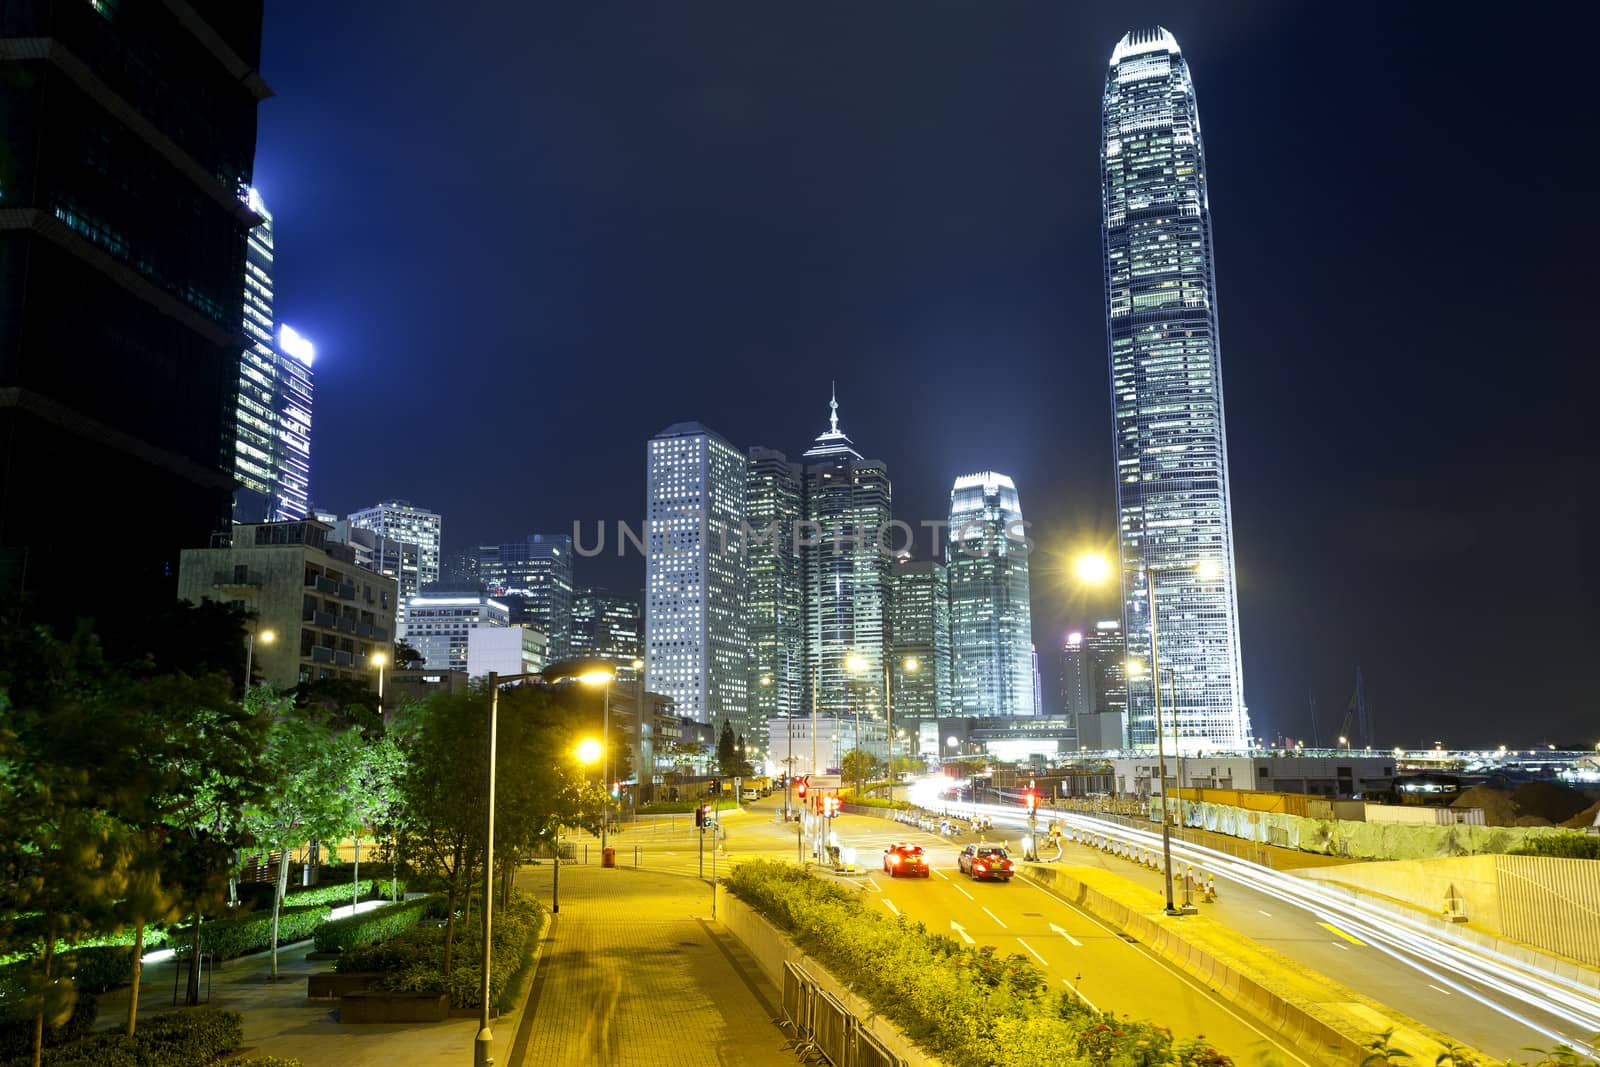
point(910, 665)
point(1345, 741)
point(602, 677)
point(588, 751)
point(1094, 568)
point(267, 637)
point(379, 660)
point(855, 663)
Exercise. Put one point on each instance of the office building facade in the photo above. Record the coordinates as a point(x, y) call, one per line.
point(1174, 511)
point(774, 599)
point(696, 647)
point(608, 626)
point(535, 573)
point(400, 520)
point(440, 626)
point(131, 142)
point(846, 573)
point(920, 631)
point(506, 650)
point(991, 622)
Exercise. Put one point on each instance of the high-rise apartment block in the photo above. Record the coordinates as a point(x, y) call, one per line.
point(1174, 513)
point(440, 626)
point(608, 626)
point(696, 643)
point(130, 141)
point(535, 576)
point(991, 642)
point(400, 520)
point(774, 599)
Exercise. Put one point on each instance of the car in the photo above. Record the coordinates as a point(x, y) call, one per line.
point(985, 861)
point(905, 858)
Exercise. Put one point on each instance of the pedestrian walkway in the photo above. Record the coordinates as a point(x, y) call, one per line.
point(633, 972)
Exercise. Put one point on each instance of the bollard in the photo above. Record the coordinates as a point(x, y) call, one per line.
point(635, 857)
point(586, 855)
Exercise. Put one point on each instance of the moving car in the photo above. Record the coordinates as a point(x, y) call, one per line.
point(985, 861)
point(905, 858)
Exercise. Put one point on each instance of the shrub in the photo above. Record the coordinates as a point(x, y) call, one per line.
point(414, 961)
point(266, 1061)
point(228, 938)
point(370, 927)
point(186, 1038)
point(969, 1006)
point(16, 1032)
point(101, 968)
point(1573, 846)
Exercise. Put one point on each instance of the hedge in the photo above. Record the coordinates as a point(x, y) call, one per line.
point(192, 1037)
point(16, 1033)
point(1573, 846)
point(969, 1006)
point(414, 961)
point(369, 927)
point(227, 938)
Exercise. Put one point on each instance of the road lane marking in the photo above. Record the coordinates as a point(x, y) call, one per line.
point(1268, 914)
point(1079, 995)
point(1336, 944)
point(995, 917)
point(962, 930)
point(940, 873)
point(890, 905)
point(1036, 956)
point(1446, 992)
point(1056, 929)
point(1335, 930)
point(964, 893)
point(872, 883)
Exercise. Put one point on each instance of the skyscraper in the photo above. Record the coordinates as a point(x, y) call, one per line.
point(774, 600)
point(272, 434)
point(920, 625)
point(696, 650)
point(606, 625)
point(129, 147)
point(403, 521)
point(846, 573)
point(991, 624)
point(1166, 386)
point(534, 574)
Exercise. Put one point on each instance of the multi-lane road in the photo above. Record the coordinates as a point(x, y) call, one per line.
point(1474, 997)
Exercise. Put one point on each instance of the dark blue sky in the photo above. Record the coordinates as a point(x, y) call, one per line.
point(525, 237)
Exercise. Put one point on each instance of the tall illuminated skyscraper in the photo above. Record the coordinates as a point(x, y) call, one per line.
point(1166, 387)
point(991, 623)
point(846, 573)
point(401, 520)
point(272, 432)
point(920, 628)
point(774, 599)
point(696, 651)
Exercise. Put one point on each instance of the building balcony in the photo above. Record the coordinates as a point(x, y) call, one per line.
point(347, 624)
point(380, 633)
point(343, 658)
point(326, 585)
point(326, 619)
point(321, 654)
point(363, 629)
point(347, 591)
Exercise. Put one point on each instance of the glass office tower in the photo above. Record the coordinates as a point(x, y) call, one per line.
point(1166, 384)
point(991, 641)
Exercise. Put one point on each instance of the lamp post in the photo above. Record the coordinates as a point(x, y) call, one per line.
point(912, 665)
point(603, 678)
point(267, 637)
point(588, 752)
point(379, 660)
point(855, 663)
point(1094, 569)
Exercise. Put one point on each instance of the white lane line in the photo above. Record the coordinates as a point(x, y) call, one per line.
point(962, 930)
point(940, 873)
point(1336, 944)
point(1446, 992)
point(1056, 929)
point(1268, 914)
point(872, 884)
point(963, 892)
point(1036, 956)
point(995, 917)
point(890, 905)
point(1079, 995)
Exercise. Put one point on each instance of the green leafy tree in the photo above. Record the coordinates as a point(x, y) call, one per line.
point(374, 791)
point(311, 764)
point(727, 750)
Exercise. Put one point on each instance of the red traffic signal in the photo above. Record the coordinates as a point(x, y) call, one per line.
point(1031, 799)
point(800, 788)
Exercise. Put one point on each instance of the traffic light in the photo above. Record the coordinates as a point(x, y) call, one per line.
point(716, 787)
point(800, 788)
point(616, 789)
point(702, 815)
point(830, 806)
point(1031, 799)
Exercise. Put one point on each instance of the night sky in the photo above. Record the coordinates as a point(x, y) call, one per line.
point(527, 237)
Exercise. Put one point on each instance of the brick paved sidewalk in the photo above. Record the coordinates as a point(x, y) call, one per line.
point(633, 973)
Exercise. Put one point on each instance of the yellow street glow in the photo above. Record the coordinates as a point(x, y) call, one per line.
point(637, 665)
point(379, 659)
point(1092, 568)
point(588, 750)
point(600, 677)
point(913, 664)
point(1135, 668)
point(1208, 568)
point(266, 637)
point(854, 662)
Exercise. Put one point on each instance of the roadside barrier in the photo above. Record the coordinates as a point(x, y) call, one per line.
point(823, 1026)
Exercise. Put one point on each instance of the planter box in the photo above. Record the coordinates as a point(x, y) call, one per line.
point(377, 1006)
point(333, 984)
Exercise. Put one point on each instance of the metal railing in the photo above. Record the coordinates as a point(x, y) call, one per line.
point(823, 1026)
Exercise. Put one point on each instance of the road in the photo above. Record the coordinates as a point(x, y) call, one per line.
point(1477, 998)
point(1075, 950)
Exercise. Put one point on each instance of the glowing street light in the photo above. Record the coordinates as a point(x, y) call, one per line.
point(589, 751)
point(266, 637)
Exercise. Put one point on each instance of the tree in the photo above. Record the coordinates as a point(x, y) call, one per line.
point(311, 765)
point(406, 656)
point(859, 766)
point(375, 799)
point(727, 750)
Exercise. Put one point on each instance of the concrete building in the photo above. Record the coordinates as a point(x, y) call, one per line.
point(129, 138)
point(442, 623)
point(414, 686)
point(696, 647)
point(1173, 499)
point(534, 578)
point(375, 552)
point(920, 631)
point(402, 520)
point(506, 650)
point(774, 597)
point(1329, 775)
point(791, 738)
point(608, 626)
point(846, 574)
point(326, 615)
point(991, 621)
point(1101, 731)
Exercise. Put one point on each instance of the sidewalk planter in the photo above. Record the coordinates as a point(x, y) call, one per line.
point(371, 927)
point(332, 984)
point(382, 1006)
